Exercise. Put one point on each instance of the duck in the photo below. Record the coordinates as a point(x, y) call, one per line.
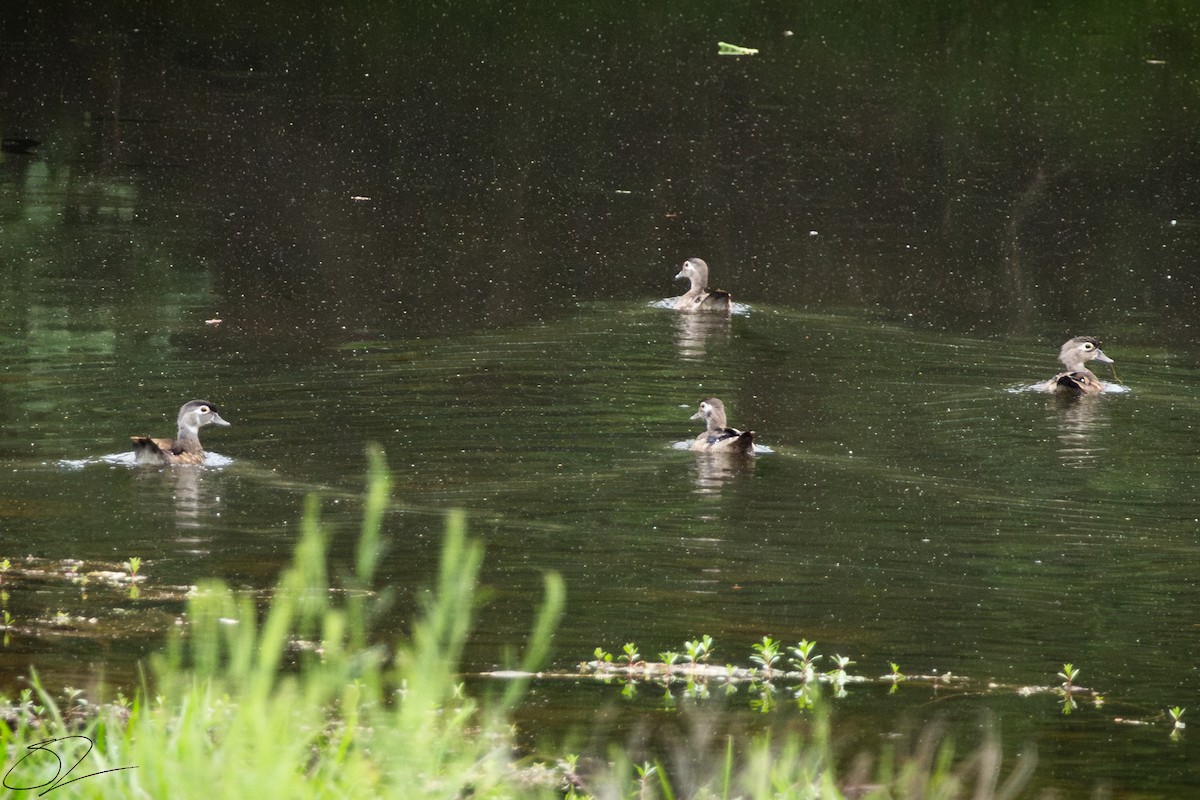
point(719, 437)
point(1077, 380)
point(185, 447)
point(698, 298)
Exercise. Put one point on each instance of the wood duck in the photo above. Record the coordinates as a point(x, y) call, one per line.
point(1078, 380)
point(718, 437)
point(185, 447)
point(699, 298)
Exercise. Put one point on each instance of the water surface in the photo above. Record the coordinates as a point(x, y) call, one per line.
point(458, 254)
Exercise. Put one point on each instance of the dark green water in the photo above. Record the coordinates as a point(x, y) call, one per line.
point(445, 232)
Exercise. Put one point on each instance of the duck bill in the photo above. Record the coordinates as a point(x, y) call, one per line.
point(1103, 359)
point(217, 420)
point(680, 275)
point(697, 415)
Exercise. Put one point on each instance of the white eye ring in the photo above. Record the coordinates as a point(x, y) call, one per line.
point(203, 409)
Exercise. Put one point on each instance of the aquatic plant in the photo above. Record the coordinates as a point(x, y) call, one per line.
point(895, 677)
point(1068, 673)
point(838, 673)
point(804, 660)
point(766, 654)
point(631, 657)
point(133, 565)
point(698, 650)
point(1177, 723)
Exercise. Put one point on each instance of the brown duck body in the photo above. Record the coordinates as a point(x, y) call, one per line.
point(185, 447)
point(717, 436)
point(699, 298)
point(1077, 380)
point(166, 451)
point(1078, 383)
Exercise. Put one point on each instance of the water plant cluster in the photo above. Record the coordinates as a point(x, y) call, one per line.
point(298, 699)
point(792, 672)
point(97, 585)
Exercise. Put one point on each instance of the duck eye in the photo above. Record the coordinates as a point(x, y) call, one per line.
point(203, 409)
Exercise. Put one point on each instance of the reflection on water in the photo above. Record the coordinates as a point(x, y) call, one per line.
point(195, 497)
point(696, 333)
point(1081, 423)
point(714, 470)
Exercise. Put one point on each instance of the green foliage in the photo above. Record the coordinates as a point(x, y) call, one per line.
point(698, 650)
point(630, 657)
point(804, 660)
point(299, 703)
point(766, 653)
point(1069, 673)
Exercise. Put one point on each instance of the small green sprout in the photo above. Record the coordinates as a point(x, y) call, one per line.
point(1177, 717)
point(803, 658)
point(602, 655)
point(699, 649)
point(669, 658)
point(838, 673)
point(1069, 674)
point(766, 653)
point(895, 677)
point(133, 565)
point(631, 657)
point(646, 772)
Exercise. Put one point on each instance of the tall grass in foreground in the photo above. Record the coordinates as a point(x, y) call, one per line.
point(298, 703)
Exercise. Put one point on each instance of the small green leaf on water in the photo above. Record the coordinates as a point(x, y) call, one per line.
point(727, 49)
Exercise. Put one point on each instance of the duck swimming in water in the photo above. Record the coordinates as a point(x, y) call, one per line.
point(698, 297)
point(185, 447)
point(1077, 380)
point(719, 437)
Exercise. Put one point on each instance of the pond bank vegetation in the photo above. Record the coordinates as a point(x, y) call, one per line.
point(298, 700)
